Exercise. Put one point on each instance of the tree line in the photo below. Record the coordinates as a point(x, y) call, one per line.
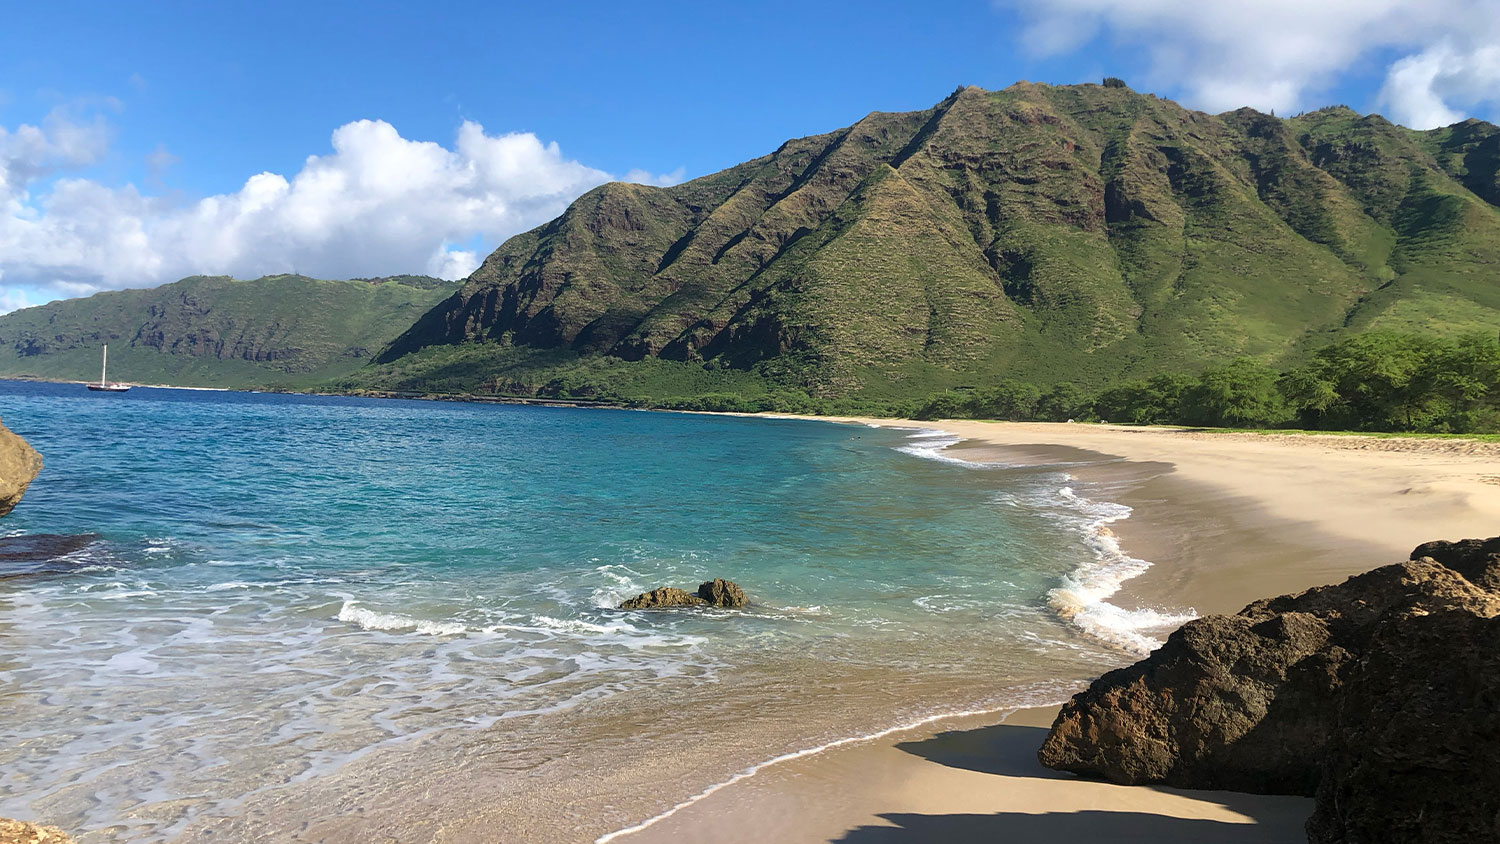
point(1369, 382)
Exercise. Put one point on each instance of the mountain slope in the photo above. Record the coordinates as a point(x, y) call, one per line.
point(1082, 232)
point(282, 330)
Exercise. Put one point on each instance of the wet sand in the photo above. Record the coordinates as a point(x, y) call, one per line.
point(1226, 519)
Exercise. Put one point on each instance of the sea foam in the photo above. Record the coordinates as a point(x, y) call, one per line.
point(370, 619)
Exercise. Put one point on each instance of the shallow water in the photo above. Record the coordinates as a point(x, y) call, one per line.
point(287, 590)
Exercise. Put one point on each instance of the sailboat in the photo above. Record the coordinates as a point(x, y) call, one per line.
point(104, 386)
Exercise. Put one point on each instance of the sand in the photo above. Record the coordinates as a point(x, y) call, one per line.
point(1226, 519)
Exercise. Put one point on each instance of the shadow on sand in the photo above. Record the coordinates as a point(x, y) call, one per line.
point(1055, 827)
point(1003, 749)
point(1006, 750)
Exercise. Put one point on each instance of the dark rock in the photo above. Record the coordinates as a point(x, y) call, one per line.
point(1217, 706)
point(722, 593)
point(19, 466)
point(1380, 695)
point(1243, 702)
point(664, 598)
point(1478, 560)
point(41, 553)
point(1413, 751)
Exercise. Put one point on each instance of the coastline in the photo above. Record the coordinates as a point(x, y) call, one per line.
point(1225, 519)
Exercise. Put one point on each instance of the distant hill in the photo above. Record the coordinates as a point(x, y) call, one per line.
point(282, 330)
point(1045, 233)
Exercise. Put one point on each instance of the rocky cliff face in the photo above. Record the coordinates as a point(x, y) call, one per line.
point(19, 466)
point(1039, 229)
point(1380, 696)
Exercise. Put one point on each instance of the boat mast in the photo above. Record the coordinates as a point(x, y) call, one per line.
point(104, 366)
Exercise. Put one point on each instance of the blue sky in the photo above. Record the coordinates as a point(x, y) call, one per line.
point(138, 112)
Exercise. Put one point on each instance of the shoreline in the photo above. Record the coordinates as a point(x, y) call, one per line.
point(1193, 496)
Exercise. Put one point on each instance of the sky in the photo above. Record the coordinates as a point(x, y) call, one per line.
point(144, 142)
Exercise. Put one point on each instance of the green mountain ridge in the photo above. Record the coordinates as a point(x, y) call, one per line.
point(1082, 233)
point(1045, 233)
point(278, 331)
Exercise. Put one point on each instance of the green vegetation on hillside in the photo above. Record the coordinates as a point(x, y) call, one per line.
point(279, 331)
point(1084, 234)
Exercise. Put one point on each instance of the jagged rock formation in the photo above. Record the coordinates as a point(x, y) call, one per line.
point(665, 597)
point(722, 593)
point(1042, 231)
point(19, 466)
point(714, 593)
point(1378, 695)
point(21, 832)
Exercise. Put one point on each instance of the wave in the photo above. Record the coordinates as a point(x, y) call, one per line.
point(932, 444)
point(1083, 597)
point(369, 619)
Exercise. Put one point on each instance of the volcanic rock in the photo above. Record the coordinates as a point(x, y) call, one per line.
point(1412, 752)
point(1380, 696)
point(664, 598)
point(714, 593)
point(1243, 702)
point(722, 593)
point(19, 466)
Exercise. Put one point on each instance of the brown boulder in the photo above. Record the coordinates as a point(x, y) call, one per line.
point(19, 466)
point(21, 832)
point(664, 598)
point(1245, 702)
point(722, 593)
point(1416, 736)
point(1478, 560)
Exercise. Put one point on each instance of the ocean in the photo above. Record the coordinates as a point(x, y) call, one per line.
point(340, 618)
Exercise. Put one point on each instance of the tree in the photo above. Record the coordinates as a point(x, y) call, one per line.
point(1009, 399)
point(1154, 402)
point(1242, 394)
point(946, 405)
point(1063, 402)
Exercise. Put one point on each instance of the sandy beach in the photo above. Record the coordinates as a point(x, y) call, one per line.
point(1226, 518)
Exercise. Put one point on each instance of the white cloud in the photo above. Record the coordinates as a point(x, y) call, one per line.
point(1421, 87)
point(377, 204)
point(1278, 54)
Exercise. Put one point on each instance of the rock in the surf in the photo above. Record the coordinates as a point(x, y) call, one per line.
point(21, 832)
point(19, 466)
point(42, 553)
point(722, 593)
point(1247, 702)
point(666, 597)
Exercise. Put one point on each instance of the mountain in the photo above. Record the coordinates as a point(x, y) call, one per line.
point(1083, 232)
point(282, 330)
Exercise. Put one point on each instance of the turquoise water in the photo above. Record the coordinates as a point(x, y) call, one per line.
point(283, 586)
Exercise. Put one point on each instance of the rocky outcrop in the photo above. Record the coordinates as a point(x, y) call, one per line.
point(667, 597)
point(19, 466)
point(1381, 696)
point(722, 593)
point(21, 832)
point(1416, 736)
point(714, 593)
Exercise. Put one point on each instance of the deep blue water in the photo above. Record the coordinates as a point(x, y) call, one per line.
point(333, 574)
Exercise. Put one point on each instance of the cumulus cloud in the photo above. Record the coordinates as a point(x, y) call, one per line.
point(1277, 54)
point(377, 204)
